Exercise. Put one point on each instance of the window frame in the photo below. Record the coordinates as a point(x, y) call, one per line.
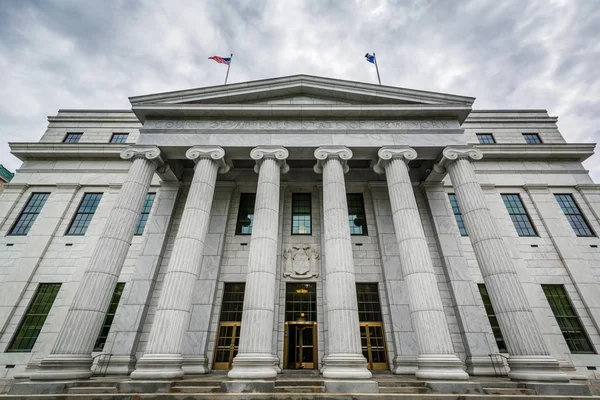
point(525, 213)
point(119, 135)
point(24, 213)
point(492, 317)
point(365, 231)
point(532, 134)
point(144, 215)
point(310, 224)
point(77, 212)
point(109, 317)
point(458, 215)
point(238, 225)
point(68, 135)
point(481, 135)
point(580, 213)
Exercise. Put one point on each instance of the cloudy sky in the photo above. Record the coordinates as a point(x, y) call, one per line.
point(94, 54)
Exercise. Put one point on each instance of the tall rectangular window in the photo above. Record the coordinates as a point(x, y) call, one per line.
point(519, 215)
point(485, 138)
point(119, 137)
point(84, 214)
point(574, 215)
point(110, 316)
point(369, 306)
point(245, 214)
point(233, 302)
point(356, 214)
point(532, 138)
point(301, 214)
point(145, 213)
point(29, 214)
point(567, 319)
point(72, 137)
point(491, 314)
point(457, 214)
point(34, 318)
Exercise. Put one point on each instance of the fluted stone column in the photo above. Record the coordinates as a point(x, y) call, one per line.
point(437, 359)
point(254, 359)
point(529, 355)
point(162, 358)
point(70, 357)
point(344, 359)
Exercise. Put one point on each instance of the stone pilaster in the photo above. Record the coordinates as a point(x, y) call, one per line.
point(163, 357)
point(591, 195)
point(436, 359)
point(255, 359)
point(71, 355)
point(344, 358)
point(530, 358)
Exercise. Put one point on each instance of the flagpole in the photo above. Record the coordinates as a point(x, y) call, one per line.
point(376, 67)
point(229, 66)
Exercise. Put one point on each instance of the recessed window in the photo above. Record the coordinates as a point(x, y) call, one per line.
point(457, 214)
point(301, 214)
point(356, 214)
point(72, 138)
point(245, 214)
point(532, 138)
point(233, 302)
point(574, 215)
point(145, 213)
point(519, 215)
point(491, 314)
point(567, 319)
point(29, 214)
point(119, 137)
point(110, 316)
point(486, 138)
point(369, 306)
point(34, 318)
point(84, 214)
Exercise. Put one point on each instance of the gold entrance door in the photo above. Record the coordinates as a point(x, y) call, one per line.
point(300, 345)
point(373, 345)
point(227, 344)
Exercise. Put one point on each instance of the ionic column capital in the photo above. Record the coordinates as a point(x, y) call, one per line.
point(214, 153)
point(150, 153)
point(323, 153)
point(388, 153)
point(277, 153)
point(453, 153)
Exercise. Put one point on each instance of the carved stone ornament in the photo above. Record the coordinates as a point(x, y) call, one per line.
point(451, 154)
point(215, 153)
point(324, 152)
point(300, 262)
point(151, 154)
point(280, 154)
point(388, 153)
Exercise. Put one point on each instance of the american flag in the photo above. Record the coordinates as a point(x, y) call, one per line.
point(221, 60)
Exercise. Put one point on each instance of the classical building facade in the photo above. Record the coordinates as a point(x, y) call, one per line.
point(300, 223)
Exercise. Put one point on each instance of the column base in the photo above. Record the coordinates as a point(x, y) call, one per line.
point(196, 365)
point(158, 366)
point(119, 365)
point(535, 368)
point(440, 366)
point(57, 367)
point(482, 365)
point(253, 366)
point(405, 365)
point(345, 366)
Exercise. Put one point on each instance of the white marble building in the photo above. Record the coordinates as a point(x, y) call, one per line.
point(300, 223)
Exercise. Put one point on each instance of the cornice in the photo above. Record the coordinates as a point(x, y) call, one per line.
point(557, 151)
point(36, 151)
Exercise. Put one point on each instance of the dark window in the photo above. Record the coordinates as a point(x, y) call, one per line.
point(110, 316)
point(84, 214)
point(72, 138)
point(519, 215)
point(233, 302)
point(300, 301)
point(486, 138)
point(567, 319)
point(369, 307)
point(574, 215)
point(145, 213)
point(245, 214)
point(301, 214)
point(458, 215)
point(34, 318)
point(119, 137)
point(532, 138)
point(356, 214)
point(29, 214)
point(491, 314)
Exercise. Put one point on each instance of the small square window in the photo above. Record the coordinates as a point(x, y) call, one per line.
point(119, 137)
point(532, 138)
point(486, 138)
point(72, 138)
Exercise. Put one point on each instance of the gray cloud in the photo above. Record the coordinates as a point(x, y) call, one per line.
point(94, 54)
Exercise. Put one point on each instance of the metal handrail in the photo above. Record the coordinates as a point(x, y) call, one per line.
point(95, 371)
point(501, 370)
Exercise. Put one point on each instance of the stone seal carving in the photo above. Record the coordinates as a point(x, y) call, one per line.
point(300, 262)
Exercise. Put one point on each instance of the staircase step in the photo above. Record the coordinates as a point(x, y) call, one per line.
point(299, 389)
point(298, 382)
point(505, 391)
point(403, 389)
point(203, 382)
point(394, 383)
point(91, 390)
point(195, 389)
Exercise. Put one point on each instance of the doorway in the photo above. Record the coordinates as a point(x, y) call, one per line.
point(372, 335)
point(300, 342)
point(230, 324)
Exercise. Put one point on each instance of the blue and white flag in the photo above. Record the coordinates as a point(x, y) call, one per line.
point(370, 58)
